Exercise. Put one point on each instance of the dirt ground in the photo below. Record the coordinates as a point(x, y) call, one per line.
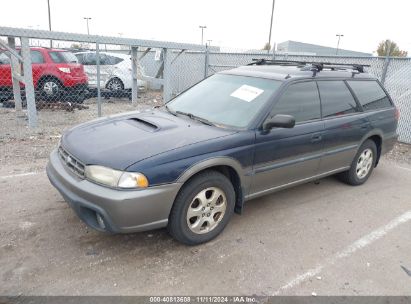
point(322, 238)
point(23, 149)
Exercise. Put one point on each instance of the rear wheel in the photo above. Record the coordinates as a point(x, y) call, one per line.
point(362, 165)
point(202, 208)
point(51, 89)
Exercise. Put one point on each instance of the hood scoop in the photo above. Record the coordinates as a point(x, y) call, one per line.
point(143, 124)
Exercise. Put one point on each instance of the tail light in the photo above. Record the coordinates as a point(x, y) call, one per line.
point(397, 114)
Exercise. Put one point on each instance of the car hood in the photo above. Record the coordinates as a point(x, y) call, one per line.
point(120, 141)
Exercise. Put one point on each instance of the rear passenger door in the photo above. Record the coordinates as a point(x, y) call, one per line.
point(284, 156)
point(344, 125)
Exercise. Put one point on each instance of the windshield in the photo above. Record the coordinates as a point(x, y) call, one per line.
point(226, 99)
point(63, 57)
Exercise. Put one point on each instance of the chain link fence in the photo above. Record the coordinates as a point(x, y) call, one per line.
point(395, 73)
point(50, 81)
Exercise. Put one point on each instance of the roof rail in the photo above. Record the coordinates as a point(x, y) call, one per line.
point(275, 62)
point(310, 65)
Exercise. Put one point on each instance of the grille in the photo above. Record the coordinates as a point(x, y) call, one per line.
point(71, 162)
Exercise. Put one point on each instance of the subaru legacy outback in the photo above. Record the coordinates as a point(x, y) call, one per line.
point(234, 136)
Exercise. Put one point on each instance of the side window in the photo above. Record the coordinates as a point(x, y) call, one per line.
point(36, 57)
point(104, 59)
point(370, 94)
point(80, 58)
point(117, 60)
point(4, 59)
point(300, 100)
point(89, 59)
point(55, 57)
point(336, 98)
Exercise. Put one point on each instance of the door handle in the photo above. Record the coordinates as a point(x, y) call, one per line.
point(316, 138)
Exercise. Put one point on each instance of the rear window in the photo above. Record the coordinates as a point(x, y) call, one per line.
point(63, 57)
point(336, 99)
point(370, 95)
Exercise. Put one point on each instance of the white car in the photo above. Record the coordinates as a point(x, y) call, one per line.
point(115, 71)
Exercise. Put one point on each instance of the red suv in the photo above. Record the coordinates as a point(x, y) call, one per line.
point(57, 75)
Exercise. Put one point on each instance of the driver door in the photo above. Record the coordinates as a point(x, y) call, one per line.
point(286, 156)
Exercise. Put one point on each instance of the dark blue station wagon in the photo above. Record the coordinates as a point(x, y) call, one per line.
point(237, 135)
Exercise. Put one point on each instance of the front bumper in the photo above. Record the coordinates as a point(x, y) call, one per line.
point(105, 209)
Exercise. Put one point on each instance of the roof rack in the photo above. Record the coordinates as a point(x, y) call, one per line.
point(312, 66)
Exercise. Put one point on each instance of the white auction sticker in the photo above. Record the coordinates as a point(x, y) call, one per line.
point(247, 93)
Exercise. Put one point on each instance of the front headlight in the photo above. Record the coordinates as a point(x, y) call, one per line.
point(115, 178)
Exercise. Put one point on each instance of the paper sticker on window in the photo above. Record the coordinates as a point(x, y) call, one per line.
point(247, 93)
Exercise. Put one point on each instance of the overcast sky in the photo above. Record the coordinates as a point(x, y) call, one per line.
point(240, 24)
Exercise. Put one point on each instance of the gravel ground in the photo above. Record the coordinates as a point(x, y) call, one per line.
point(23, 149)
point(400, 154)
point(325, 239)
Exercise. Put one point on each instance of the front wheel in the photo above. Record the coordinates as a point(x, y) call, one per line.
point(202, 208)
point(116, 86)
point(362, 165)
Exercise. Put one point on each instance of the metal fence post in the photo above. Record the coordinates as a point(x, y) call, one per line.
point(385, 69)
point(28, 82)
point(167, 91)
point(134, 66)
point(98, 80)
point(15, 69)
point(207, 61)
point(386, 62)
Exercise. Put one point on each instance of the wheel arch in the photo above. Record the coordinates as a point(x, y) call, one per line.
point(376, 136)
point(47, 77)
point(229, 167)
point(115, 77)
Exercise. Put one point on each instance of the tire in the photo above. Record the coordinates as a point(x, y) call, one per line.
point(116, 86)
point(362, 165)
point(50, 89)
point(76, 96)
point(202, 194)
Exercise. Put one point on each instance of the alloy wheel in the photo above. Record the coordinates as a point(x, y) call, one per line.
point(206, 210)
point(364, 163)
point(50, 88)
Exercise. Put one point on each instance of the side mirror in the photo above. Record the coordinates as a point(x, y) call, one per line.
point(279, 121)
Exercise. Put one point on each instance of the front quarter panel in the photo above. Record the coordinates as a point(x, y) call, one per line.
point(235, 151)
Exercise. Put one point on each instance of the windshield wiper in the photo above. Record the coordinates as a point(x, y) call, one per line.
point(169, 111)
point(200, 119)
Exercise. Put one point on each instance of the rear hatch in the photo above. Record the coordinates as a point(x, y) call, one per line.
point(64, 59)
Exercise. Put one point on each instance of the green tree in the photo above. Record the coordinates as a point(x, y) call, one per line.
point(77, 45)
point(390, 48)
point(267, 47)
